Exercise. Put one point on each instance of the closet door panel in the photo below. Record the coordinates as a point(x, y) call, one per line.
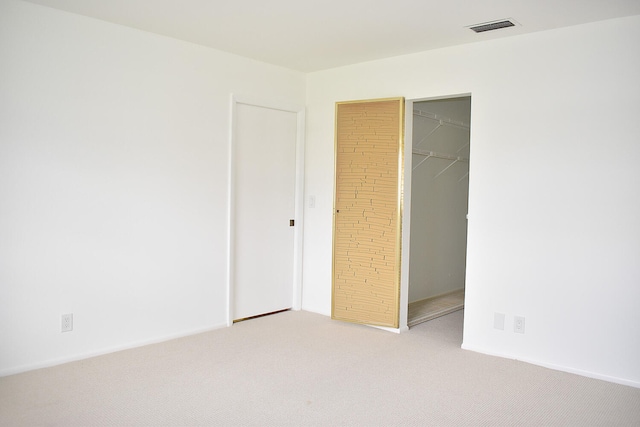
point(367, 217)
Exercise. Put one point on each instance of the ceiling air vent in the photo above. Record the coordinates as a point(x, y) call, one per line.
point(490, 26)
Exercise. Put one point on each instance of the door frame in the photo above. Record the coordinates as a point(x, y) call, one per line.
point(298, 198)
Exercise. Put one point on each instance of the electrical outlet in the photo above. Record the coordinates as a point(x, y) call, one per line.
point(518, 324)
point(67, 322)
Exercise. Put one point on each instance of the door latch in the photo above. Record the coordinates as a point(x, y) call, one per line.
point(291, 222)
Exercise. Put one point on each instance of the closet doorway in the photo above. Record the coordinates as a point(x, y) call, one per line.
point(439, 200)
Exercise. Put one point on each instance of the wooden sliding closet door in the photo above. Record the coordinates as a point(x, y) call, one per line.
point(367, 211)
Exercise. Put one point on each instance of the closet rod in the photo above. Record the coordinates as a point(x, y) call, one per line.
point(439, 155)
point(442, 119)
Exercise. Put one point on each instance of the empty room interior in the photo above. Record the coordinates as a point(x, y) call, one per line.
point(258, 181)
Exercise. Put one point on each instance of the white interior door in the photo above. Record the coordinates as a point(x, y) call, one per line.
point(264, 193)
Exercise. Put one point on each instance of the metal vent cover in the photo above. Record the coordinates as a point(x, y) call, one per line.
point(490, 26)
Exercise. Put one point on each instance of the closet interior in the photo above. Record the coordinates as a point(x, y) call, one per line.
point(439, 195)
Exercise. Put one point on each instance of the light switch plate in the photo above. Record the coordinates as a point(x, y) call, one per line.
point(498, 321)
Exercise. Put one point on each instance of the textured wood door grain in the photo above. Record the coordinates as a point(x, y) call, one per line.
point(367, 217)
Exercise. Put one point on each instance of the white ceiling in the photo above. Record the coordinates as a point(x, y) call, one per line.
point(311, 35)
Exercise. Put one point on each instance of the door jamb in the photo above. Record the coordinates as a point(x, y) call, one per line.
point(298, 198)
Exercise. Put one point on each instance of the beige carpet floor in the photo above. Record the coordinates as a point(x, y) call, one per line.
point(299, 368)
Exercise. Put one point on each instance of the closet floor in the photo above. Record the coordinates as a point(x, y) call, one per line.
point(430, 308)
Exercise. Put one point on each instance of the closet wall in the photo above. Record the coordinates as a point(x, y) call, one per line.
point(439, 193)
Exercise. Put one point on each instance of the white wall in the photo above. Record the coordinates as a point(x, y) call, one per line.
point(439, 194)
point(113, 182)
point(553, 231)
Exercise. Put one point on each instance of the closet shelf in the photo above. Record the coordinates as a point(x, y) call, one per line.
point(438, 155)
point(429, 154)
point(443, 121)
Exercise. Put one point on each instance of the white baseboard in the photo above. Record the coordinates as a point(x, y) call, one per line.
point(308, 310)
point(438, 295)
point(394, 330)
point(103, 351)
point(384, 328)
point(555, 367)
